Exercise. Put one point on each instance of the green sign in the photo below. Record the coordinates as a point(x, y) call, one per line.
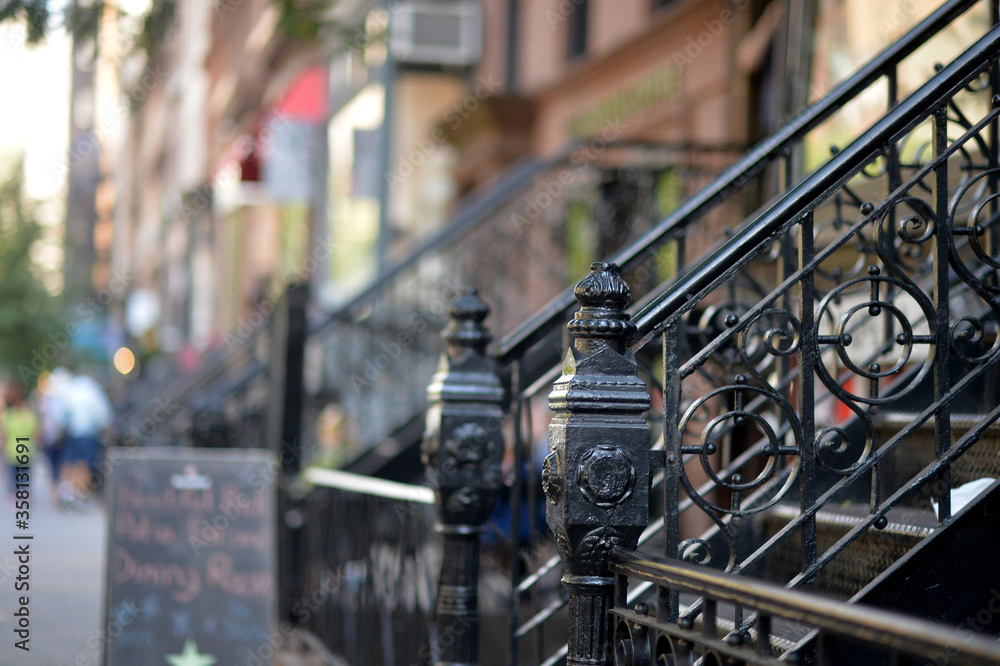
point(630, 99)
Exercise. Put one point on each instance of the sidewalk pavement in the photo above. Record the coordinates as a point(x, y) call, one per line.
point(65, 579)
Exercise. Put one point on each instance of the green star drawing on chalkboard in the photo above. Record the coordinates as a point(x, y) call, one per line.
point(190, 656)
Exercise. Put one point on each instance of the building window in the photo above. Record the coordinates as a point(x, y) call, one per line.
point(576, 38)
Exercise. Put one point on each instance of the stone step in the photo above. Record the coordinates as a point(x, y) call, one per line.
point(982, 460)
point(865, 558)
point(297, 659)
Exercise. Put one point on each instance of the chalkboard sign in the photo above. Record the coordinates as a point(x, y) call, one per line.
point(190, 575)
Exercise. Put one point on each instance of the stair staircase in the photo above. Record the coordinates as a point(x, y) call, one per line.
point(908, 524)
point(819, 375)
point(933, 582)
point(824, 502)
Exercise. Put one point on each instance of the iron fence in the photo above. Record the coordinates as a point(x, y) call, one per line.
point(371, 564)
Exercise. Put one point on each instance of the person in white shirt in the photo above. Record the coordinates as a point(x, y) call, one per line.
point(86, 413)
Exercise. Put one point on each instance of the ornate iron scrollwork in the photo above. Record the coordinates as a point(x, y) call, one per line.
point(632, 642)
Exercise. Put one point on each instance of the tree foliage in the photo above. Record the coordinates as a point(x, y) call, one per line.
point(303, 21)
point(34, 13)
point(28, 322)
point(82, 20)
point(156, 23)
point(38, 16)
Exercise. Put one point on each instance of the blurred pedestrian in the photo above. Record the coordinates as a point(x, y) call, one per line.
point(19, 423)
point(87, 412)
point(52, 431)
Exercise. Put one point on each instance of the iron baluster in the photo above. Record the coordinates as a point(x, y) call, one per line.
point(894, 178)
point(288, 344)
point(808, 358)
point(787, 265)
point(668, 603)
point(596, 473)
point(515, 510)
point(942, 315)
point(462, 451)
point(993, 185)
point(763, 644)
point(709, 616)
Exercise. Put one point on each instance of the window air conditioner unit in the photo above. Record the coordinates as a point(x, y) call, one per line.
point(436, 32)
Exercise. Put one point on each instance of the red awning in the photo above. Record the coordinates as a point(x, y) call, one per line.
point(306, 98)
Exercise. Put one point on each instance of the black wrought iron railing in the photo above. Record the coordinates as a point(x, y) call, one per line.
point(781, 151)
point(919, 249)
point(913, 325)
point(702, 318)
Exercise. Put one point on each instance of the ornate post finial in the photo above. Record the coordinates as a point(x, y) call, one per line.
point(462, 452)
point(465, 327)
point(596, 473)
point(603, 295)
point(604, 288)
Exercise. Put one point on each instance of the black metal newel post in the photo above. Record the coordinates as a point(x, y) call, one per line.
point(294, 366)
point(596, 473)
point(287, 366)
point(463, 451)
